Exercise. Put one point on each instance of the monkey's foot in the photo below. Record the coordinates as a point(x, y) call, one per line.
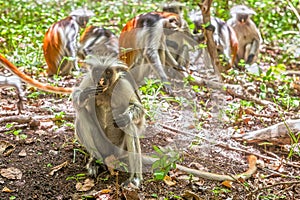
point(134, 183)
point(93, 167)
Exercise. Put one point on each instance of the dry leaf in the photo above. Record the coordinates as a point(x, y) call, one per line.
point(86, 186)
point(7, 190)
point(227, 184)
point(11, 173)
point(189, 195)
point(23, 153)
point(6, 148)
point(58, 167)
point(104, 191)
point(103, 197)
point(130, 193)
point(169, 181)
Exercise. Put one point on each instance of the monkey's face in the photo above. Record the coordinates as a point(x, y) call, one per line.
point(171, 24)
point(82, 21)
point(105, 77)
point(242, 18)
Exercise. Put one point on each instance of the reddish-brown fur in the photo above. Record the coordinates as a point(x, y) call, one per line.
point(234, 45)
point(31, 81)
point(127, 40)
point(51, 47)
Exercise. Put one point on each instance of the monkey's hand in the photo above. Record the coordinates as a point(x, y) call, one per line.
point(133, 114)
point(80, 97)
point(123, 120)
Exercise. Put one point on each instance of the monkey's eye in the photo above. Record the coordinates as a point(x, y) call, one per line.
point(173, 20)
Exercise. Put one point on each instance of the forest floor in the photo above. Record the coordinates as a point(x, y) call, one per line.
point(44, 160)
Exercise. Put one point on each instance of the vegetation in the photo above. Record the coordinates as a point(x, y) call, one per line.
point(23, 24)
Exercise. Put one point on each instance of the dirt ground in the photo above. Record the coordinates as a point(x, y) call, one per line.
point(44, 160)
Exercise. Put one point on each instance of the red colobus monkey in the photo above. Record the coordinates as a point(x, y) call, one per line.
point(143, 44)
point(248, 35)
point(60, 42)
point(224, 37)
point(98, 41)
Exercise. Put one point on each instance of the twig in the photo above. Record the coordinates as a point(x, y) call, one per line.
point(270, 186)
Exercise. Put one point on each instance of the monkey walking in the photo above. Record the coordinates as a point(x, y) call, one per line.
point(180, 42)
point(109, 114)
point(60, 42)
point(143, 43)
point(98, 41)
point(248, 35)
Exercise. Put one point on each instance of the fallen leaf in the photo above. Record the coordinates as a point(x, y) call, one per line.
point(102, 194)
point(6, 148)
point(86, 186)
point(58, 167)
point(189, 195)
point(7, 190)
point(23, 153)
point(227, 184)
point(130, 193)
point(11, 173)
point(168, 180)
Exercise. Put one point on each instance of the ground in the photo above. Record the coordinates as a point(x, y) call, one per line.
point(51, 162)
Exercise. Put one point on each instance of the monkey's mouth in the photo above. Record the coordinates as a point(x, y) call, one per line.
point(102, 86)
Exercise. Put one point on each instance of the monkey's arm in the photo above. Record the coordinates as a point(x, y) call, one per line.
point(252, 51)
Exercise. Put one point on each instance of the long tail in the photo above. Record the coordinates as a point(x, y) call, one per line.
point(29, 80)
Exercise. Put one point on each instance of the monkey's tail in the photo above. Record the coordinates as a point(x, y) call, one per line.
point(45, 87)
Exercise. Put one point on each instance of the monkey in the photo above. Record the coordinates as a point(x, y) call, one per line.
point(45, 87)
point(109, 114)
point(143, 44)
point(248, 35)
point(180, 43)
point(224, 37)
point(14, 81)
point(99, 42)
point(60, 42)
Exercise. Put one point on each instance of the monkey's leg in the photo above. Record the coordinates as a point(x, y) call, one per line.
point(171, 60)
point(154, 59)
point(71, 62)
point(184, 57)
point(134, 155)
point(252, 51)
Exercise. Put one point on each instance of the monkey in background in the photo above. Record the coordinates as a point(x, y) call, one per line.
point(248, 35)
point(224, 37)
point(180, 42)
point(98, 41)
point(109, 114)
point(60, 42)
point(143, 45)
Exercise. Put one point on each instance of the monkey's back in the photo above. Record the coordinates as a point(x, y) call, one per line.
point(56, 41)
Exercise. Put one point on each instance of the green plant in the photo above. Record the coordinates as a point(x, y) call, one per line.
point(76, 177)
point(220, 190)
point(151, 100)
point(166, 162)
